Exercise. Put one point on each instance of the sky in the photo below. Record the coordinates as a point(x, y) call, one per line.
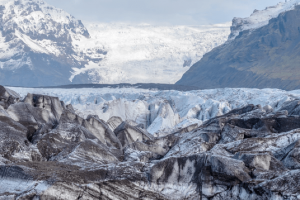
point(161, 12)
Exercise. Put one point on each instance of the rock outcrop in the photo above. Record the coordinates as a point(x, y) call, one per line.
point(47, 151)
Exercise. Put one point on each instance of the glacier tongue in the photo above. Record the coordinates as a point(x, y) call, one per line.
point(162, 112)
point(151, 54)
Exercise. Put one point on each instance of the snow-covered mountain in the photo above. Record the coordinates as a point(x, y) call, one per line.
point(162, 112)
point(42, 45)
point(260, 18)
point(262, 52)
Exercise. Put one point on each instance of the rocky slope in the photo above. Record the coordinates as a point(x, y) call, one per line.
point(41, 45)
point(262, 52)
point(47, 151)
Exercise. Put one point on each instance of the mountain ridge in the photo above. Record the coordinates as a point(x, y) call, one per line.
point(263, 57)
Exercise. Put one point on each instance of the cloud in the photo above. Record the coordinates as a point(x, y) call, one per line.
point(161, 12)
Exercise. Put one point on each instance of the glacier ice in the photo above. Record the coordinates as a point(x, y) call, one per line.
point(162, 112)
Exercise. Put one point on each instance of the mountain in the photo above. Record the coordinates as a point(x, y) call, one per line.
point(49, 151)
point(262, 52)
point(41, 45)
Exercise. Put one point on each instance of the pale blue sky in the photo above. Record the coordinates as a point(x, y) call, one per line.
point(161, 12)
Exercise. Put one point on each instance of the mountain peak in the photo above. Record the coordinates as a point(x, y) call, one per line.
point(259, 57)
point(260, 18)
point(36, 17)
point(39, 41)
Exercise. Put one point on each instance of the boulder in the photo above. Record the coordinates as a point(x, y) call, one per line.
point(232, 133)
point(270, 124)
point(128, 134)
point(102, 131)
point(95, 126)
point(228, 169)
point(243, 110)
point(31, 116)
point(268, 109)
point(3, 112)
point(114, 122)
point(199, 140)
point(88, 154)
point(14, 144)
point(150, 149)
point(74, 132)
point(187, 129)
point(8, 97)
point(255, 160)
point(70, 107)
point(290, 155)
point(292, 107)
point(174, 176)
point(52, 104)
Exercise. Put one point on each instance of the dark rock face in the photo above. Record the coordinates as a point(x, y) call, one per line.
point(47, 151)
point(266, 57)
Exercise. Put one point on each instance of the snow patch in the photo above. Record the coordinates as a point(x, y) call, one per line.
point(30, 43)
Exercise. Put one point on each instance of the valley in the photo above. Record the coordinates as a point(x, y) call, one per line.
point(41, 45)
point(118, 111)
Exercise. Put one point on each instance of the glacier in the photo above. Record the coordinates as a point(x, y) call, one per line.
point(163, 112)
point(145, 53)
point(203, 144)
